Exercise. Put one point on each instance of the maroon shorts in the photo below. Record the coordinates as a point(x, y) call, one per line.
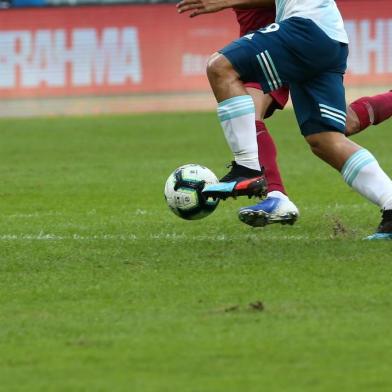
point(253, 19)
point(280, 98)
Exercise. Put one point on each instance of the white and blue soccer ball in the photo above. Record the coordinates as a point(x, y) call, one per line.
point(183, 192)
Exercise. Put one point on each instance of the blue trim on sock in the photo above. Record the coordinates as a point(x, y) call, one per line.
point(357, 169)
point(235, 107)
point(352, 157)
point(236, 113)
point(235, 100)
point(355, 164)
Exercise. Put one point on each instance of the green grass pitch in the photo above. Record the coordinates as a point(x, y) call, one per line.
point(102, 288)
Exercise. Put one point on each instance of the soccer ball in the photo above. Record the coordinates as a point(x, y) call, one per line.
point(183, 192)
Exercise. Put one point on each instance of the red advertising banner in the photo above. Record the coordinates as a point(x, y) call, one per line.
point(151, 49)
point(107, 50)
point(369, 26)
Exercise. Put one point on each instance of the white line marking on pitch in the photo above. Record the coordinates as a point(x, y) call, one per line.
point(171, 237)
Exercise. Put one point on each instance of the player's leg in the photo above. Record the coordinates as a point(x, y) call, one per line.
point(263, 57)
point(320, 111)
point(267, 152)
point(277, 207)
point(318, 108)
point(368, 111)
point(265, 104)
point(229, 91)
point(360, 170)
point(236, 112)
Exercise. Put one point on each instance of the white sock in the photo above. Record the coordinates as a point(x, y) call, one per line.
point(278, 195)
point(237, 117)
point(363, 173)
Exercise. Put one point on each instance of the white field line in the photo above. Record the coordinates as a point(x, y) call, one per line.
point(258, 236)
point(141, 212)
point(33, 215)
point(76, 237)
point(170, 237)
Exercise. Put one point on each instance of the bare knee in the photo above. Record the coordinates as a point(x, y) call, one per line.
point(224, 80)
point(219, 67)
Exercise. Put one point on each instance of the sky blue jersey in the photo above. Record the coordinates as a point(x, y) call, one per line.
point(324, 13)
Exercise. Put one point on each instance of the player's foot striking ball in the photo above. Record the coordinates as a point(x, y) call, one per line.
point(240, 181)
point(276, 208)
point(183, 192)
point(384, 230)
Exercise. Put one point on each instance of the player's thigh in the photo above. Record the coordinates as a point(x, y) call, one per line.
point(263, 58)
point(291, 51)
point(320, 104)
point(262, 101)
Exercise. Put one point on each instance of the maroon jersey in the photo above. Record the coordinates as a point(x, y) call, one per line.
point(255, 18)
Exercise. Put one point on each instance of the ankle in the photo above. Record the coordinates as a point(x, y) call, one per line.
point(249, 163)
point(278, 195)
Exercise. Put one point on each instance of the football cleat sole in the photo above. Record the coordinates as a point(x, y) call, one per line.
point(253, 187)
point(262, 218)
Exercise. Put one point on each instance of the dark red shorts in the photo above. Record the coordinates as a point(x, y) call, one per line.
point(280, 98)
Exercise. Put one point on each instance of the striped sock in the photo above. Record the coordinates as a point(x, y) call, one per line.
point(363, 173)
point(237, 117)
